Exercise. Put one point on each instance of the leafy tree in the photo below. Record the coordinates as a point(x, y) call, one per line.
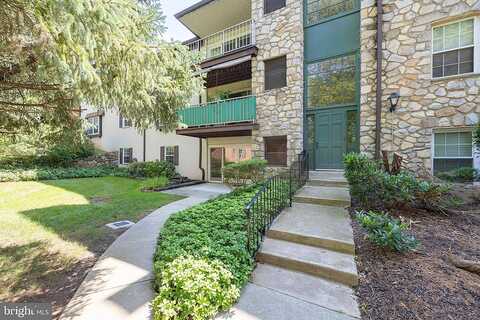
point(56, 55)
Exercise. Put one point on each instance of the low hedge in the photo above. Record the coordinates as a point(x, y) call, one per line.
point(201, 261)
point(244, 172)
point(58, 173)
point(150, 169)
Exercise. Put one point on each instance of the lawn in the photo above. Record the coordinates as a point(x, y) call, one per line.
point(52, 232)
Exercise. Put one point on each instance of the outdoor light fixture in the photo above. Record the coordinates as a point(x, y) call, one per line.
point(393, 98)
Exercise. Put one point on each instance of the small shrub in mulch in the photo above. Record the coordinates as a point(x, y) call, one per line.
point(386, 231)
point(435, 281)
point(423, 284)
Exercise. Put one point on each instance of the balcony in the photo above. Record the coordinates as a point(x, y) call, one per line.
point(232, 39)
point(232, 117)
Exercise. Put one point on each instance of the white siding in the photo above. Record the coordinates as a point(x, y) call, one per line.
point(113, 138)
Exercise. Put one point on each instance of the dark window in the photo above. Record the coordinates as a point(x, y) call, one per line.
point(453, 62)
point(126, 155)
point(170, 154)
point(276, 150)
point(124, 122)
point(272, 5)
point(276, 73)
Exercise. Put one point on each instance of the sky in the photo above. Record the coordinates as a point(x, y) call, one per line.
point(176, 30)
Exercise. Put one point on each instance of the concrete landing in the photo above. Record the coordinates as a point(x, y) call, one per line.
point(260, 303)
point(321, 292)
point(320, 262)
point(322, 226)
point(327, 196)
point(328, 178)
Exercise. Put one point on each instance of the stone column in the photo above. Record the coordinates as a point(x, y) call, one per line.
point(279, 111)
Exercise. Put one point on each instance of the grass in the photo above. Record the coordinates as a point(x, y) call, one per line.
point(52, 229)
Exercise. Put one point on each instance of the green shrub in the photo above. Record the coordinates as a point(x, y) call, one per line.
point(244, 172)
point(214, 232)
point(465, 174)
point(385, 231)
point(193, 289)
point(373, 188)
point(46, 147)
point(58, 173)
point(151, 169)
point(154, 183)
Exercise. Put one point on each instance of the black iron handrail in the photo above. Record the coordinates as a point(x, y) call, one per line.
point(274, 195)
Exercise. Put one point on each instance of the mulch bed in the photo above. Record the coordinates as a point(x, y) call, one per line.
point(422, 284)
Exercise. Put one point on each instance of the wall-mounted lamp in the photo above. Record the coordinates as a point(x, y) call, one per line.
point(393, 99)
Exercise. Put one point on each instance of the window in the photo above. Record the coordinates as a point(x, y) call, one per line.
point(452, 150)
point(94, 126)
point(318, 10)
point(453, 49)
point(273, 5)
point(170, 154)
point(276, 150)
point(276, 73)
point(332, 82)
point(126, 155)
point(124, 122)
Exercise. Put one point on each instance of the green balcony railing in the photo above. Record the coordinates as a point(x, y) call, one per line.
point(220, 112)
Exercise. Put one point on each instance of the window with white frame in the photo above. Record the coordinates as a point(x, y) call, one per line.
point(124, 122)
point(170, 154)
point(126, 155)
point(452, 150)
point(454, 47)
point(93, 126)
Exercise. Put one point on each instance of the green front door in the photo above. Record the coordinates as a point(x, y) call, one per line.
point(332, 80)
point(333, 134)
point(330, 137)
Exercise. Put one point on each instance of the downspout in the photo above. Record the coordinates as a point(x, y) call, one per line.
point(144, 145)
point(200, 159)
point(379, 91)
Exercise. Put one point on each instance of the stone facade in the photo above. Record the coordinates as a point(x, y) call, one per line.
point(426, 105)
point(279, 111)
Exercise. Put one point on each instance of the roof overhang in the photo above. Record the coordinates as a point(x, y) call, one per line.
point(229, 59)
point(210, 16)
point(231, 130)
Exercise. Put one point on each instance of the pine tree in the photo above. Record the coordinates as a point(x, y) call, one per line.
point(57, 55)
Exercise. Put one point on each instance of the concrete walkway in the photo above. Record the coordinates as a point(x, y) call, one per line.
point(119, 286)
point(306, 266)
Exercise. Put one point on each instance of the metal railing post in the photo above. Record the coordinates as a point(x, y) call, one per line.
point(290, 186)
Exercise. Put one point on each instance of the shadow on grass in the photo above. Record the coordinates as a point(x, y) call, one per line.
point(45, 269)
point(31, 272)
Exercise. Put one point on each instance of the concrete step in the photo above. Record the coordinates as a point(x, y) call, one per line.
point(324, 293)
point(316, 261)
point(260, 303)
point(320, 226)
point(327, 178)
point(328, 196)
